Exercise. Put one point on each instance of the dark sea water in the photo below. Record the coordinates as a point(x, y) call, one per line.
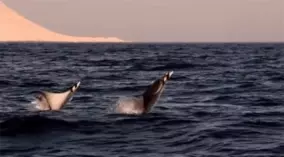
point(224, 100)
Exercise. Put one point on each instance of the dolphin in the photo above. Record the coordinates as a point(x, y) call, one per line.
point(143, 104)
point(55, 100)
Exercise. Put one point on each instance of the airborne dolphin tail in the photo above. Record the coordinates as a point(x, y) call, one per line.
point(141, 104)
point(154, 91)
point(55, 100)
point(158, 85)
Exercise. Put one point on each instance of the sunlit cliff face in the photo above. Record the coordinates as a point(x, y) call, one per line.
point(14, 27)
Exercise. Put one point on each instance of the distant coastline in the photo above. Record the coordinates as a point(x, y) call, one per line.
point(15, 28)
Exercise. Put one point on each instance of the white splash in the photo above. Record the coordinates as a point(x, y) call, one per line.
point(129, 105)
point(33, 106)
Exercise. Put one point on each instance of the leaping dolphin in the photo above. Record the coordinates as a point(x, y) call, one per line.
point(55, 101)
point(143, 103)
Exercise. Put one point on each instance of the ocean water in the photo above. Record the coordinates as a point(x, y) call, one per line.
point(224, 100)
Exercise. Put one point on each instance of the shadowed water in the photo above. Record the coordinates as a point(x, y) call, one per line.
point(223, 100)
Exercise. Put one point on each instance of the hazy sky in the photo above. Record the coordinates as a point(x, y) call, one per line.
point(160, 20)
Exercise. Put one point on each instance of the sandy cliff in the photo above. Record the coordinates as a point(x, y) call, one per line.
point(15, 28)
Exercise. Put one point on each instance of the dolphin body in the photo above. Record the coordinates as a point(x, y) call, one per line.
point(142, 104)
point(55, 101)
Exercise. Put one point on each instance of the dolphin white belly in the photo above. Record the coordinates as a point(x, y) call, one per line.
point(55, 101)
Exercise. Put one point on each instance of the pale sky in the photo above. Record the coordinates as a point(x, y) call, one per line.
point(160, 20)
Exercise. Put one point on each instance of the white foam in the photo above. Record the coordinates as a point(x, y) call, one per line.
point(33, 106)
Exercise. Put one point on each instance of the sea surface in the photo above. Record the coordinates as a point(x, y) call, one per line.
point(224, 100)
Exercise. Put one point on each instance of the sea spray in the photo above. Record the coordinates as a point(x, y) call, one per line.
point(128, 105)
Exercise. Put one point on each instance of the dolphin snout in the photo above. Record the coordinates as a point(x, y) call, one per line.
point(168, 75)
point(75, 87)
point(78, 84)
